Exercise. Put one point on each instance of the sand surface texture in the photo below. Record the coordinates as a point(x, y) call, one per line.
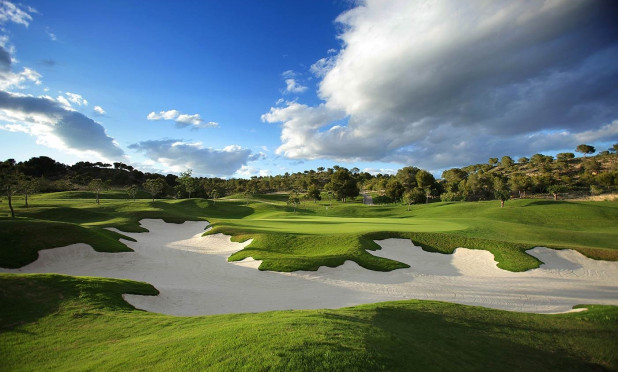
point(194, 278)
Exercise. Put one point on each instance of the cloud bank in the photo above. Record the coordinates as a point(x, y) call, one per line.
point(178, 155)
point(55, 126)
point(449, 82)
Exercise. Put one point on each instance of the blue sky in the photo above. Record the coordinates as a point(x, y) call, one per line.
point(241, 88)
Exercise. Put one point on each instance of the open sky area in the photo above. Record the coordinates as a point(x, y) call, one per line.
point(242, 88)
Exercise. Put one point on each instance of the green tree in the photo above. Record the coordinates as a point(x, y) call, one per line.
point(493, 161)
point(132, 191)
point(97, 185)
point(214, 194)
point(453, 177)
point(556, 190)
point(592, 166)
point(293, 200)
point(424, 179)
point(27, 185)
point(507, 161)
point(565, 156)
point(394, 189)
point(585, 149)
point(344, 184)
point(314, 193)
point(189, 183)
point(414, 196)
point(407, 177)
point(8, 181)
point(154, 186)
point(501, 190)
point(520, 183)
point(523, 160)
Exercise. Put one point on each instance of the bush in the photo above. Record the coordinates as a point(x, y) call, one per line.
point(382, 199)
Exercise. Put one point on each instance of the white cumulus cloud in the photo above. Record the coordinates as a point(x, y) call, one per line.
point(178, 155)
point(99, 110)
point(449, 82)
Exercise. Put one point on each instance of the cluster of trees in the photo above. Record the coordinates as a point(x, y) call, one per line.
point(498, 179)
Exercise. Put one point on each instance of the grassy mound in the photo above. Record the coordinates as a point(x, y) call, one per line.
point(55, 322)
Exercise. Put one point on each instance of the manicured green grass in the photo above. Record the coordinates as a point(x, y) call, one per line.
point(56, 322)
point(326, 233)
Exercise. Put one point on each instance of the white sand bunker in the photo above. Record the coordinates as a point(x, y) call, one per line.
point(194, 277)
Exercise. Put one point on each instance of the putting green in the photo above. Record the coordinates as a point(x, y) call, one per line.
point(337, 225)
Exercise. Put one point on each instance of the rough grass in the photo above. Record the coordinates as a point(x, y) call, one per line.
point(56, 322)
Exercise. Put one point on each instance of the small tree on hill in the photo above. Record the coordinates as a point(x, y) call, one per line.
point(189, 183)
point(414, 196)
point(154, 186)
point(501, 191)
point(344, 184)
point(293, 200)
point(424, 179)
point(585, 149)
point(132, 191)
point(97, 185)
point(556, 190)
point(565, 156)
point(394, 189)
point(27, 185)
point(214, 194)
point(8, 181)
point(507, 161)
point(314, 193)
point(493, 161)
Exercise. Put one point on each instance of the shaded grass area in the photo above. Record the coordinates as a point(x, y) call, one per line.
point(55, 322)
point(23, 238)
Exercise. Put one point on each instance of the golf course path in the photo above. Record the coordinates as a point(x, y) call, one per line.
point(194, 278)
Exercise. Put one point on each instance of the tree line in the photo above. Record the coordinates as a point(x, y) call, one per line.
point(498, 179)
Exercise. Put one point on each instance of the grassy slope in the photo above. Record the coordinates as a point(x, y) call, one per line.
point(323, 234)
point(288, 241)
point(55, 322)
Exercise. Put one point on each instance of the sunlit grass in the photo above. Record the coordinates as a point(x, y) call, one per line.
point(326, 233)
point(56, 322)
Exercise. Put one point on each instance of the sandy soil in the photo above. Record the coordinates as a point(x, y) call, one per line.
point(194, 277)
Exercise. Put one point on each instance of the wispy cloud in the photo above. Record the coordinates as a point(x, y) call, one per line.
point(76, 99)
point(99, 110)
point(182, 120)
point(10, 12)
point(293, 87)
point(51, 35)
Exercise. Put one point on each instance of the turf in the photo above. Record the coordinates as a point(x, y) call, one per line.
point(324, 233)
point(55, 322)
